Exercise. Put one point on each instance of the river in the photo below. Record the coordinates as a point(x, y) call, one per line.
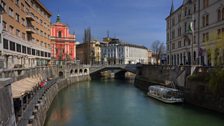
point(119, 103)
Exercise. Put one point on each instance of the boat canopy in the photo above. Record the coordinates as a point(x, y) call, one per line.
point(21, 87)
point(162, 89)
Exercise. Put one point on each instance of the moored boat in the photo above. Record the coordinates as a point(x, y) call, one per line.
point(165, 94)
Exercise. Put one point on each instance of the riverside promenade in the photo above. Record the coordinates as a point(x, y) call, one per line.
point(26, 94)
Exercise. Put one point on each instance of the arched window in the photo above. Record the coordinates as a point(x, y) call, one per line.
point(59, 34)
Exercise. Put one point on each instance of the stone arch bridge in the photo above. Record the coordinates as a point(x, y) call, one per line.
point(118, 69)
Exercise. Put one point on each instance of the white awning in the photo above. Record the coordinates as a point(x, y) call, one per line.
point(19, 88)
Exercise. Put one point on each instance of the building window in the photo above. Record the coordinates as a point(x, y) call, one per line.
point(179, 18)
point(33, 52)
point(22, 6)
point(205, 20)
point(42, 53)
point(24, 49)
point(168, 47)
point(17, 17)
point(3, 5)
point(219, 15)
point(222, 32)
point(37, 30)
point(189, 11)
point(5, 44)
point(173, 34)
point(173, 45)
point(17, 2)
point(23, 36)
point(168, 36)
point(38, 53)
point(173, 22)
point(185, 11)
point(41, 32)
point(11, 29)
point(59, 34)
point(185, 27)
point(195, 7)
point(28, 51)
point(23, 22)
point(49, 55)
point(219, 33)
point(179, 31)
point(4, 25)
point(205, 37)
point(179, 44)
point(17, 32)
point(194, 55)
point(45, 54)
point(12, 46)
point(18, 47)
point(222, 13)
point(11, 12)
point(205, 3)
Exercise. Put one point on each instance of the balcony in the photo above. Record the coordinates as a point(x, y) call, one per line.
point(30, 29)
point(30, 16)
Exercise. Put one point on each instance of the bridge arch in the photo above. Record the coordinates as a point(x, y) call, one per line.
point(80, 71)
point(85, 71)
point(60, 74)
point(71, 71)
point(76, 71)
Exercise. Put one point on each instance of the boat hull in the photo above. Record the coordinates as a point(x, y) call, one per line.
point(169, 101)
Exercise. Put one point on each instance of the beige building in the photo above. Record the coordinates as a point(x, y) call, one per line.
point(26, 30)
point(89, 53)
point(195, 33)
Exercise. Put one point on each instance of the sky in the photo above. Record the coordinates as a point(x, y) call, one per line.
point(134, 21)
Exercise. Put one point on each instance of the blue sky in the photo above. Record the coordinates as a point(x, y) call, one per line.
point(134, 21)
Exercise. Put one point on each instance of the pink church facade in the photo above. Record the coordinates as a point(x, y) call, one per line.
point(63, 43)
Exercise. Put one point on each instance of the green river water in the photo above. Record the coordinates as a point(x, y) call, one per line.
point(119, 103)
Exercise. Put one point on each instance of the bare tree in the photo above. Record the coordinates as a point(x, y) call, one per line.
point(158, 49)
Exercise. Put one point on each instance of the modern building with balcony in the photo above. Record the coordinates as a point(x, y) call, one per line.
point(25, 35)
point(195, 33)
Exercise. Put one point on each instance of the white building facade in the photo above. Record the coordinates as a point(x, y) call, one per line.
point(195, 33)
point(123, 53)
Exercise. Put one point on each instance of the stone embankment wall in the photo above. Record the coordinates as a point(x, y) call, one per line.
point(200, 90)
point(40, 112)
point(199, 94)
point(153, 75)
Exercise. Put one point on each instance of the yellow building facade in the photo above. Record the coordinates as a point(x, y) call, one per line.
point(25, 33)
